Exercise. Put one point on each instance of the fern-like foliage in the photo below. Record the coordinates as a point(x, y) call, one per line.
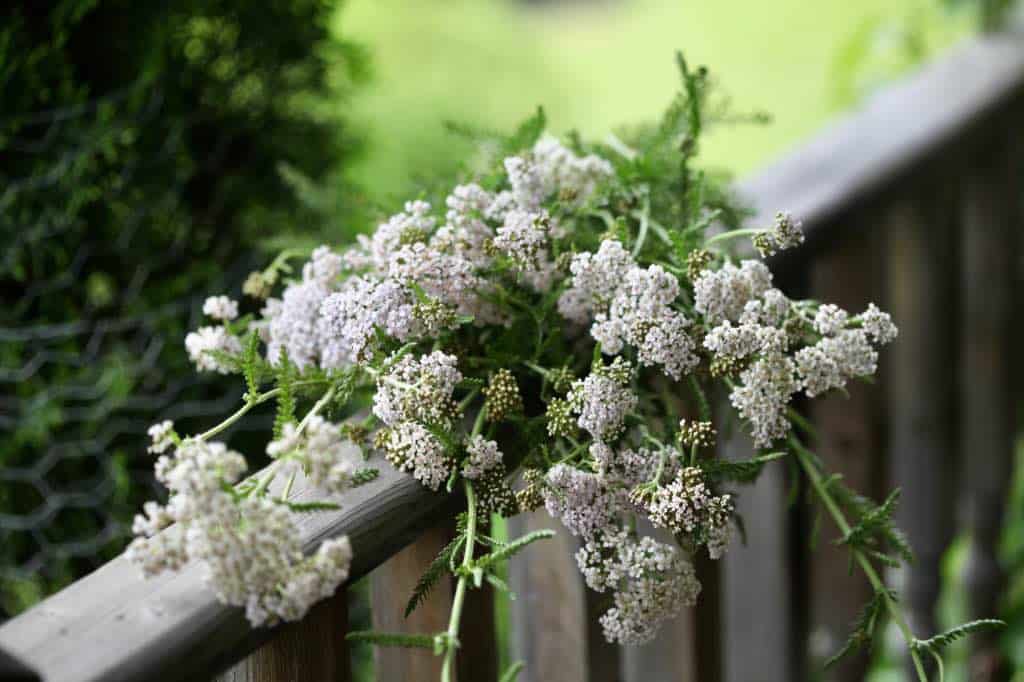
point(514, 547)
point(863, 629)
point(364, 476)
point(435, 571)
point(745, 471)
point(392, 639)
point(512, 672)
point(285, 375)
point(941, 641)
point(310, 507)
point(874, 530)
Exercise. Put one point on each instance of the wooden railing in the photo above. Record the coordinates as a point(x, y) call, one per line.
point(913, 202)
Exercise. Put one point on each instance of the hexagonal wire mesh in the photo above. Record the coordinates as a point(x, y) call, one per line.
point(95, 306)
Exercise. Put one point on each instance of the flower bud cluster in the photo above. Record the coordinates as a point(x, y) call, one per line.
point(501, 396)
point(785, 234)
point(687, 507)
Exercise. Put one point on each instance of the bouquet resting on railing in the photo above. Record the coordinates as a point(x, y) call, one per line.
point(554, 335)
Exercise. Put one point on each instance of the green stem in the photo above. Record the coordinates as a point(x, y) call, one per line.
point(249, 404)
point(806, 460)
point(288, 486)
point(732, 234)
point(451, 645)
point(642, 235)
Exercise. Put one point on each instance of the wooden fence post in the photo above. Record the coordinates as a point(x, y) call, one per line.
point(921, 385)
point(849, 441)
point(311, 649)
point(991, 195)
point(758, 607)
point(553, 613)
point(391, 584)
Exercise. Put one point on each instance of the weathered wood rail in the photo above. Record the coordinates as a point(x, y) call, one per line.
point(912, 201)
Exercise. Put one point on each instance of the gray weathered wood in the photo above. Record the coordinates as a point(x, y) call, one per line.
point(312, 649)
point(757, 596)
point(478, 657)
point(892, 134)
point(114, 625)
point(987, 401)
point(391, 585)
point(850, 442)
point(921, 385)
point(549, 623)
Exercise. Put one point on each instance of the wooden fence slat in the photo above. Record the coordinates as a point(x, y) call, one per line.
point(849, 441)
point(115, 626)
point(989, 240)
point(921, 386)
point(478, 657)
point(549, 614)
point(757, 595)
point(313, 649)
point(390, 587)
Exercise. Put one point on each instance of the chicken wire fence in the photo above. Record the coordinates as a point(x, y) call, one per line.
point(102, 257)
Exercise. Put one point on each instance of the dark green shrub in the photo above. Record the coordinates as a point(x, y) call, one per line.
point(139, 152)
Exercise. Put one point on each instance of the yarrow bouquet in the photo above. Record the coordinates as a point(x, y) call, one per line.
point(553, 338)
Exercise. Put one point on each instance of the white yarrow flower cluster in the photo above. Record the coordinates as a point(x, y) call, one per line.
point(206, 345)
point(722, 294)
point(602, 402)
point(688, 506)
point(329, 459)
point(484, 457)
point(650, 580)
point(251, 548)
point(220, 308)
point(631, 306)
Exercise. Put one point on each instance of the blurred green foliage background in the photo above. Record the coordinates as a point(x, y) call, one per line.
point(595, 65)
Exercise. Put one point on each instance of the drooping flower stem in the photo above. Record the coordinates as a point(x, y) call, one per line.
point(806, 459)
point(465, 571)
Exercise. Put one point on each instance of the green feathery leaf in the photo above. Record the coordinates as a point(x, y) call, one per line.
point(364, 476)
point(942, 640)
point(745, 471)
point(515, 546)
point(431, 576)
point(392, 639)
point(309, 507)
point(512, 672)
point(863, 629)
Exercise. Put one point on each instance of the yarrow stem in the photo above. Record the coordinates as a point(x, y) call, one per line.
point(251, 402)
point(806, 459)
point(452, 636)
point(732, 234)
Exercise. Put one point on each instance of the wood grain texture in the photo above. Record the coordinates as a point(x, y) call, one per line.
point(850, 441)
point(549, 624)
point(390, 587)
point(313, 649)
point(922, 384)
point(114, 625)
point(757, 596)
point(990, 221)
